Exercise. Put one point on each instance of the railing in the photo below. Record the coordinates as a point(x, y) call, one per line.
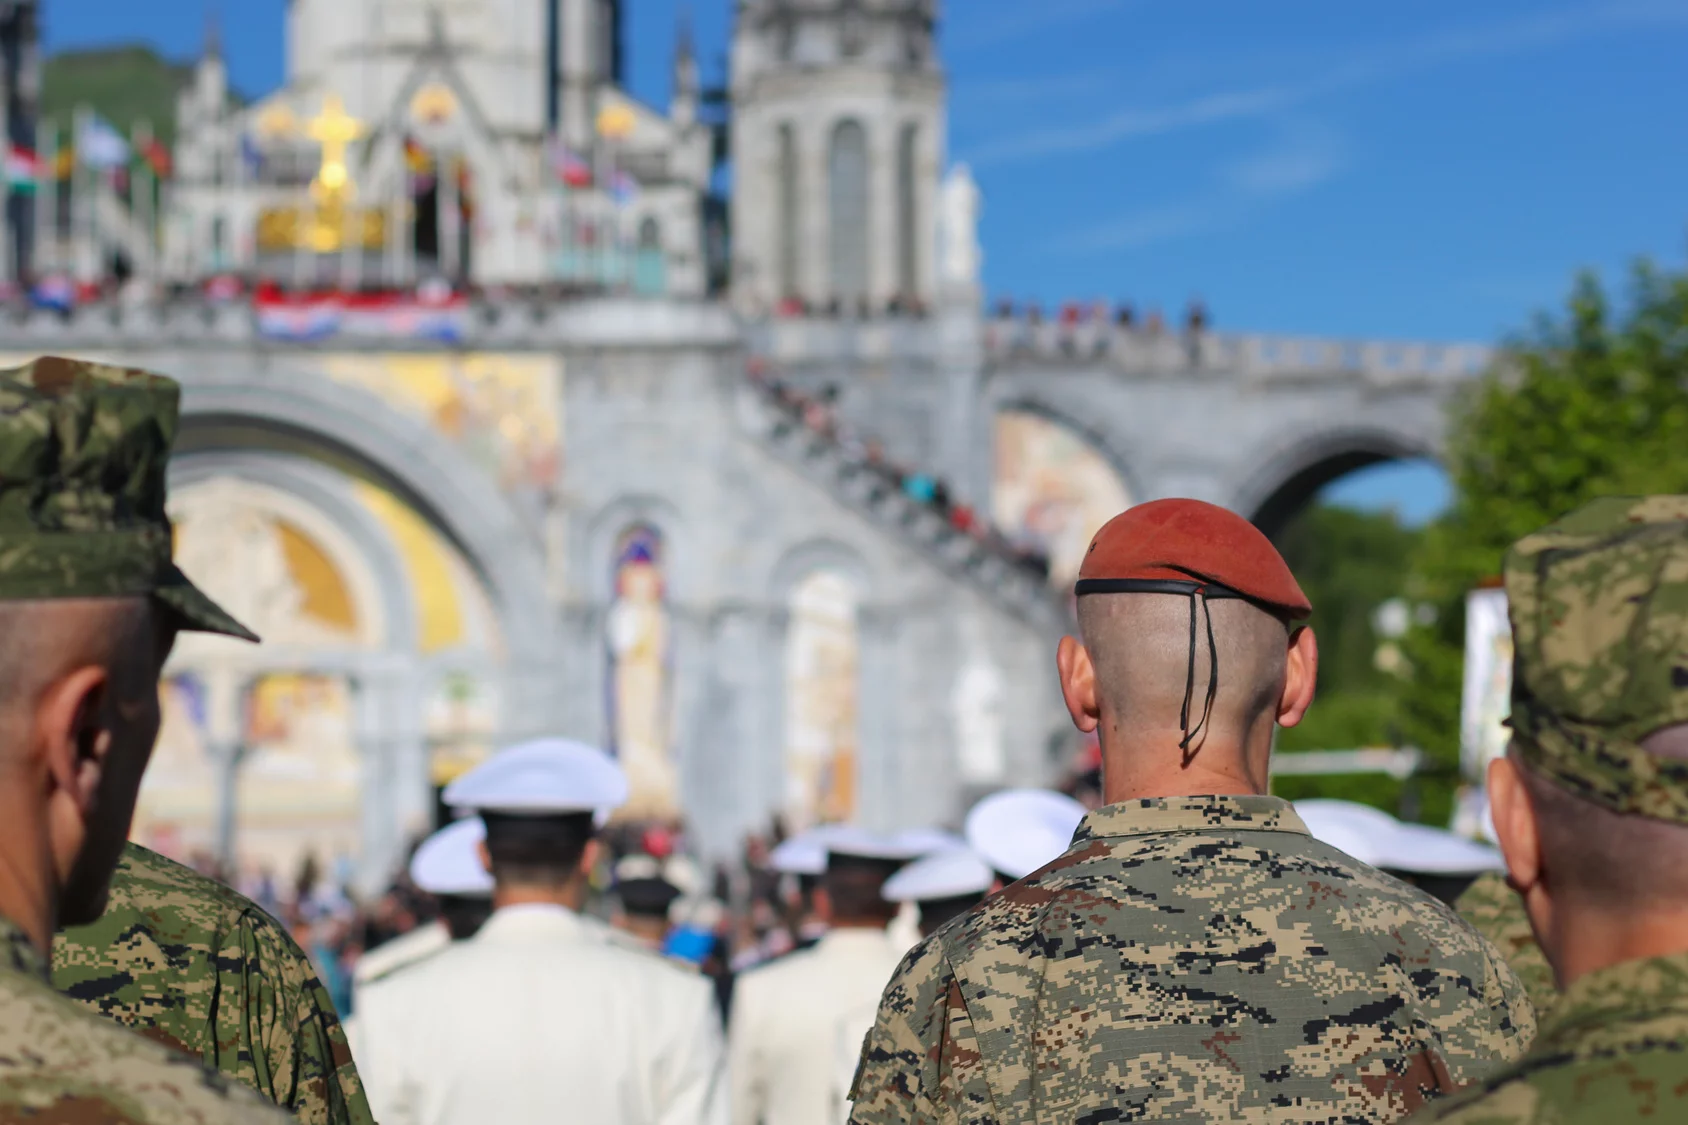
point(1136, 349)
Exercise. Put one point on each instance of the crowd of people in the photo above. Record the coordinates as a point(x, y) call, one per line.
point(818, 414)
point(1189, 948)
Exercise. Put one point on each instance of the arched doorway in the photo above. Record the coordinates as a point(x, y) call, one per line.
point(1051, 489)
point(822, 700)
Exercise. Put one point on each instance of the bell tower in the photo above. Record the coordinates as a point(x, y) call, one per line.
point(838, 146)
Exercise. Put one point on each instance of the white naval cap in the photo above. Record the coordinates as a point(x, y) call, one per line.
point(1017, 831)
point(545, 776)
point(449, 861)
point(804, 853)
point(859, 843)
point(1364, 832)
point(946, 874)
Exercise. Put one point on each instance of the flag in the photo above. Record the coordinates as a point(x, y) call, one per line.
point(23, 168)
point(98, 145)
point(157, 158)
point(251, 155)
point(55, 292)
point(567, 165)
point(624, 189)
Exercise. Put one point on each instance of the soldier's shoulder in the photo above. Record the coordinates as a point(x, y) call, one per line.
point(1591, 1086)
point(1494, 910)
point(168, 899)
point(401, 953)
point(60, 1062)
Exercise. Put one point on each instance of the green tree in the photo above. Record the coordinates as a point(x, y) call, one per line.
point(124, 85)
point(1592, 402)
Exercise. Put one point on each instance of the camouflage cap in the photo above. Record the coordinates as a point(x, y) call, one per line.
point(1599, 606)
point(83, 451)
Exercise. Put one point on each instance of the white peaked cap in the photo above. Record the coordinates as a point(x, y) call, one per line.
point(449, 861)
point(1017, 831)
point(946, 874)
point(859, 843)
point(545, 776)
point(1420, 849)
point(929, 841)
point(1364, 832)
point(804, 853)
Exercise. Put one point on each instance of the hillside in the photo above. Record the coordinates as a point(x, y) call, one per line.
point(122, 84)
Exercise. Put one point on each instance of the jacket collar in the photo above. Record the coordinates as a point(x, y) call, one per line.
point(1245, 813)
point(1623, 992)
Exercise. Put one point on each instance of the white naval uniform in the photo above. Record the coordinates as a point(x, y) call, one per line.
point(798, 1026)
point(538, 1020)
point(400, 953)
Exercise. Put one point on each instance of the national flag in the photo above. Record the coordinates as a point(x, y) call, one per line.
point(624, 189)
point(251, 155)
point(99, 145)
point(23, 168)
point(567, 165)
point(308, 317)
point(157, 158)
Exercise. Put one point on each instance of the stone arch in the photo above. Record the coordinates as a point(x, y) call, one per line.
point(1269, 492)
point(849, 181)
point(325, 490)
point(293, 410)
point(618, 516)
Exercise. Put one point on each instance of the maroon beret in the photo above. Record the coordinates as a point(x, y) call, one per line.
point(1185, 540)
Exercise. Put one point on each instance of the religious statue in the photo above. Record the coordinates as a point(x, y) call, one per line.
point(958, 226)
point(637, 634)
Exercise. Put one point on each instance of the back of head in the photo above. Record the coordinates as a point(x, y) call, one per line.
point(854, 887)
point(1141, 648)
point(537, 850)
point(1592, 807)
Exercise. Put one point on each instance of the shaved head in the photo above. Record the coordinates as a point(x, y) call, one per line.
point(1140, 646)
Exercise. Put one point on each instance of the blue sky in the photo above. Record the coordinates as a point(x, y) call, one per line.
point(1427, 169)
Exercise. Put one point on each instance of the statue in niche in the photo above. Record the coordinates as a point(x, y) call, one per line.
point(637, 632)
point(958, 224)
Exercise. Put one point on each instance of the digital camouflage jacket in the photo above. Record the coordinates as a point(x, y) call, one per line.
point(1195, 958)
point(192, 964)
point(1495, 911)
point(60, 1064)
point(1615, 1049)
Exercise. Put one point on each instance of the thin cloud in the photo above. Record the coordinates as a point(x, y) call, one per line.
point(1427, 53)
point(1304, 158)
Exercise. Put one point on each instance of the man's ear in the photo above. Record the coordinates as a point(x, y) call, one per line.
point(1078, 684)
point(589, 857)
point(74, 734)
point(1515, 825)
point(1301, 677)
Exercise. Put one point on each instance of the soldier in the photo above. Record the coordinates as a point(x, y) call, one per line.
point(942, 886)
point(540, 1016)
point(192, 964)
point(798, 1021)
point(1496, 912)
point(1591, 808)
point(90, 603)
point(644, 893)
point(447, 865)
point(1195, 954)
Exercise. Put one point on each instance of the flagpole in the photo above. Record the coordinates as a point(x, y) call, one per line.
point(450, 226)
point(47, 201)
point(81, 267)
point(141, 199)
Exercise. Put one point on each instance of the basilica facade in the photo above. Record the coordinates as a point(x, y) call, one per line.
point(504, 418)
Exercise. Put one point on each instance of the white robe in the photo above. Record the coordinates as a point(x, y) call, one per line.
point(539, 1020)
point(798, 1026)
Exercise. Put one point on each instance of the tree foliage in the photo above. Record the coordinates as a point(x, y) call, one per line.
point(1592, 402)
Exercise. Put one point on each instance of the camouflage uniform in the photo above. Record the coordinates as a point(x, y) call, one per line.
point(188, 962)
point(1599, 607)
point(1495, 911)
point(83, 449)
point(1193, 958)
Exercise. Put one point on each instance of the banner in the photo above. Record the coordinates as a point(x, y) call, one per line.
point(1487, 699)
point(441, 318)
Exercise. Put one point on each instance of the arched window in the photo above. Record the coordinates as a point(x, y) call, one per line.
point(849, 219)
point(636, 637)
point(649, 266)
point(908, 218)
point(789, 230)
point(822, 673)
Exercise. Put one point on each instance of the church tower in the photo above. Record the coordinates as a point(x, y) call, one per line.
point(838, 144)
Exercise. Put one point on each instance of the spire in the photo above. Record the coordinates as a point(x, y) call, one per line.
point(685, 98)
point(213, 31)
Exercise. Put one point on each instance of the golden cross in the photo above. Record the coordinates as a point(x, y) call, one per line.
point(334, 129)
